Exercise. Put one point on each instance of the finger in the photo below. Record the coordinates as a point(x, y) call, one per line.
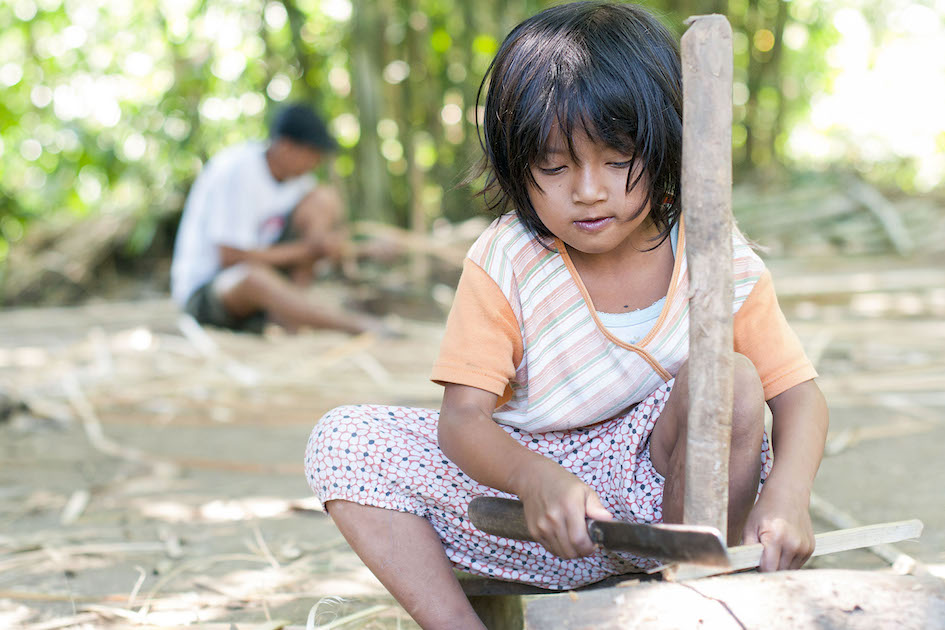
point(550, 543)
point(569, 550)
point(593, 508)
point(550, 546)
point(560, 539)
point(801, 555)
point(791, 559)
point(787, 557)
point(542, 533)
point(771, 554)
point(564, 549)
point(577, 534)
point(804, 557)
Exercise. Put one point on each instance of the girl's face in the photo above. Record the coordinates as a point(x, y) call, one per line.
point(585, 202)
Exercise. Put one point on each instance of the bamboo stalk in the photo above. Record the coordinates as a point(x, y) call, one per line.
point(707, 200)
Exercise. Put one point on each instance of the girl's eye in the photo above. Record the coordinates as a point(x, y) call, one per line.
point(551, 171)
point(626, 164)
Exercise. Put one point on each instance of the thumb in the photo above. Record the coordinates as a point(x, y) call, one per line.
point(593, 508)
point(770, 554)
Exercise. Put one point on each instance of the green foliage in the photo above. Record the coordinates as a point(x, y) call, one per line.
point(114, 106)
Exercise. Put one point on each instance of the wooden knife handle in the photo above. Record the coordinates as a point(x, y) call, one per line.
point(499, 517)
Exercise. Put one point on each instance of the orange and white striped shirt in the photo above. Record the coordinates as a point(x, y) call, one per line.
point(523, 327)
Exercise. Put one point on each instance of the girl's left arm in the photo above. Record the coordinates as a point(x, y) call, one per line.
point(780, 519)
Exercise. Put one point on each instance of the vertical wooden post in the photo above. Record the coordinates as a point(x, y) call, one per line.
point(706, 50)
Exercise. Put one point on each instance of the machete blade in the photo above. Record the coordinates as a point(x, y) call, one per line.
point(695, 544)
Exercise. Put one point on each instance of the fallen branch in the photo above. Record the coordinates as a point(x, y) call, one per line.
point(95, 433)
point(31, 557)
point(337, 623)
point(75, 506)
point(63, 622)
point(192, 564)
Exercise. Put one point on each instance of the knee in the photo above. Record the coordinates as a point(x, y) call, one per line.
point(337, 435)
point(339, 418)
point(244, 279)
point(681, 385)
point(257, 276)
point(325, 198)
point(322, 201)
point(748, 403)
point(261, 285)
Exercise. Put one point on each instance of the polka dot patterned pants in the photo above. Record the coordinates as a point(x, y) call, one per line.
point(388, 457)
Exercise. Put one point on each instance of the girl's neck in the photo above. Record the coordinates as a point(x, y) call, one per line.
point(629, 279)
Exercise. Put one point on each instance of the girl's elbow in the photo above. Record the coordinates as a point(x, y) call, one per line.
point(446, 434)
point(454, 428)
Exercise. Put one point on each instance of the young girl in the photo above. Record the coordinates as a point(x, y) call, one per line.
point(564, 359)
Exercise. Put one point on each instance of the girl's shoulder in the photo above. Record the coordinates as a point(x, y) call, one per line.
point(506, 241)
point(747, 266)
point(745, 255)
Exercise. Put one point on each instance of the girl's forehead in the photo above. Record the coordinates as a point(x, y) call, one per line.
point(581, 139)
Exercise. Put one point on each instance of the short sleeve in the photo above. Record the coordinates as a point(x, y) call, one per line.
point(231, 217)
point(763, 335)
point(483, 342)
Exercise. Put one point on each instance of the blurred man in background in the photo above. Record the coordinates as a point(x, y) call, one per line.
point(255, 223)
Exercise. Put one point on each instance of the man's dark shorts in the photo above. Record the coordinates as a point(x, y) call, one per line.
point(206, 307)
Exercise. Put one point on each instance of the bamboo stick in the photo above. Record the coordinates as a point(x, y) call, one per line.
point(825, 510)
point(749, 556)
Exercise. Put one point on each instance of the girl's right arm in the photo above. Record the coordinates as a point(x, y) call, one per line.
point(556, 501)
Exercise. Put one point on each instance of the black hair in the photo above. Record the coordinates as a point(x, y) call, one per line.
point(610, 70)
point(299, 122)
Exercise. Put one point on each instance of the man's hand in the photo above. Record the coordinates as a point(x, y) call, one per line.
point(556, 506)
point(230, 256)
point(780, 521)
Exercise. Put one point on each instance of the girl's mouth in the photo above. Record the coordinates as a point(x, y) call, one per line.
point(593, 225)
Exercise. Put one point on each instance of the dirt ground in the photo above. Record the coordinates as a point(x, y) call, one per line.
point(153, 473)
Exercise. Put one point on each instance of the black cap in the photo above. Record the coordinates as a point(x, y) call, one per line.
point(301, 124)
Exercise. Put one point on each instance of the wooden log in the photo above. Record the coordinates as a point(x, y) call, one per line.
point(501, 604)
point(707, 201)
point(787, 600)
point(479, 586)
point(886, 214)
point(499, 612)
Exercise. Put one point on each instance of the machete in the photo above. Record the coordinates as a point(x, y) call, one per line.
point(694, 544)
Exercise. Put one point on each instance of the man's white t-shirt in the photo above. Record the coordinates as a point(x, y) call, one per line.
point(236, 202)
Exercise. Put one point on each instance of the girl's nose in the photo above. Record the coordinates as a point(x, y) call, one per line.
point(590, 187)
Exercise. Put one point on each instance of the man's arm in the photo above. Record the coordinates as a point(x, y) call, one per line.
point(281, 255)
point(319, 229)
point(780, 519)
